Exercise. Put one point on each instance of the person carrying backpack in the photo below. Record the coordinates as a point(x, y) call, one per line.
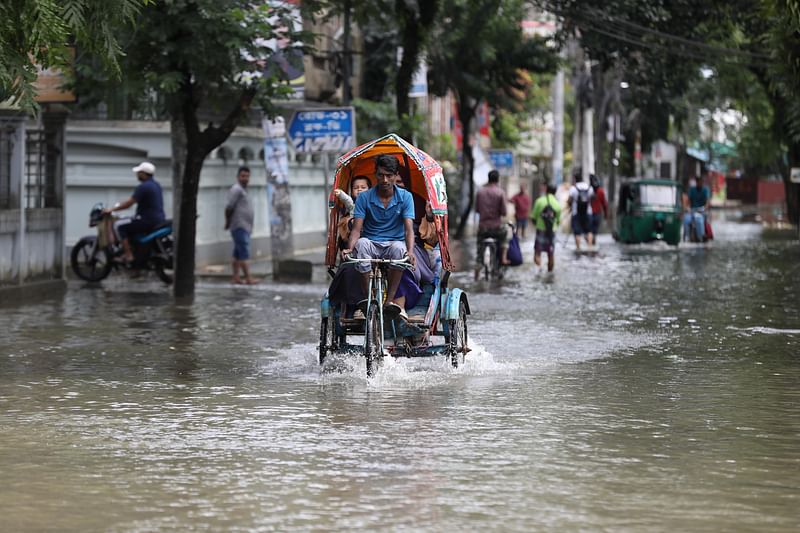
point(546, 217)
point(580, 202)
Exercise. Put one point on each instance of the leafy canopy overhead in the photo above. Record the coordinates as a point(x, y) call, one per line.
point(480, 51)
point(212, 50)
point(38, 32)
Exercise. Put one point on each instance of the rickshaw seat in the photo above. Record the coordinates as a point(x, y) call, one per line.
point(416, 315)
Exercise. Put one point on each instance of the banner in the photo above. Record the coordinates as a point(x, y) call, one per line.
point(276, 163)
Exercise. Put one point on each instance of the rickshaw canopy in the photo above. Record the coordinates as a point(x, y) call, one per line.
point(420, 172)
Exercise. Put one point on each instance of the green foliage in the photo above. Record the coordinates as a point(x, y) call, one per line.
point(480, 51)
point(442, 148)
point(376, 119)
point(781, 37)
point(505, 130)
point(37, 32)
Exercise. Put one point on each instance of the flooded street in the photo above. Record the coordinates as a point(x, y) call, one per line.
point(645, 388)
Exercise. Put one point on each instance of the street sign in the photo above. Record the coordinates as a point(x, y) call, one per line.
point(330, 129)
point(502, 160)
point(419, 85)
point(794, 175)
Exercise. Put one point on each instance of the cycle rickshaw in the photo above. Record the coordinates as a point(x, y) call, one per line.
point(441, 310)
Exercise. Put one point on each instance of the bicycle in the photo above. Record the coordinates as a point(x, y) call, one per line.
point(698, 217)
point(373, 314)
point(489, 258)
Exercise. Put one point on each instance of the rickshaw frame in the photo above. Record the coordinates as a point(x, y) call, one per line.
point(442, 310)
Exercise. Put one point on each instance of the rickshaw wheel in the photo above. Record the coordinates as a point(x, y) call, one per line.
point(457, 338)
point(326, 335)
point(373, 351)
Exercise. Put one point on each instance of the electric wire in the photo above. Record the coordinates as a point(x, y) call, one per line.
point(593, 20)
point(710, 47)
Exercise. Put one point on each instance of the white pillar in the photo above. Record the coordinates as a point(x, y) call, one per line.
point(587, 155)
point(557, 156)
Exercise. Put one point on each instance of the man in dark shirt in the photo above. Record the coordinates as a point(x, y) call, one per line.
point(149, 202)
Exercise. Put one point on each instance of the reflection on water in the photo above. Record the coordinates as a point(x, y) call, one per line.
point(644, 388)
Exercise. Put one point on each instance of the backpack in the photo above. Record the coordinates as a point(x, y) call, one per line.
point(548, 216)
point(583, 201)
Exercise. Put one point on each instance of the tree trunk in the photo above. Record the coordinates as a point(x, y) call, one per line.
point(195, 145)
point(465, 114)
point(187, 224)
point(415, 27)
point(408, 65)
point(779, 109)
point(792, 189)
point(178, 147)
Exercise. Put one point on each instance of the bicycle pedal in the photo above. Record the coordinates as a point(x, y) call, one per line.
point(392, 311)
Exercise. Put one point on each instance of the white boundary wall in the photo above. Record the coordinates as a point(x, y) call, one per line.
point(101, 154)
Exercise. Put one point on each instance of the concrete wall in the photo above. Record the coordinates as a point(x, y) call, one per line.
point(664, 154)
point(101, 154)
point(31, 227)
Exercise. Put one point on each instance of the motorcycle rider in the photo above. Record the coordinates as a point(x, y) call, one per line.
point(149, 202)
point(698, 197)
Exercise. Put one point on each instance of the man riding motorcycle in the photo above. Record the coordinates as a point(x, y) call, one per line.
point(699, 197)
point(149, 202)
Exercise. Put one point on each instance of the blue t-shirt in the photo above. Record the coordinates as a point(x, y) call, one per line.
point(383, 224)
point(149, 201)
point(698, 197)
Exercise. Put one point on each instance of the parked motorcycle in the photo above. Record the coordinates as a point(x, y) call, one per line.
point(93, 257)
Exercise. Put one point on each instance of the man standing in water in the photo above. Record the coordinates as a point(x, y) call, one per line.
point(546, 217)
point(580, 202)
point(383, 228)
point(522, 209)
point(239, 220)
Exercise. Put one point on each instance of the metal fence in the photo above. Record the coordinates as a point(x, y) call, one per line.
point(8, 134)
point(42, 159)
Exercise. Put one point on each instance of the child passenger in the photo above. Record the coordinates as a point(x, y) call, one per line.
point(346, 288)
point(426, 249)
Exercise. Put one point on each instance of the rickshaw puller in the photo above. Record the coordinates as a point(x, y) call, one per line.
point(385, 216)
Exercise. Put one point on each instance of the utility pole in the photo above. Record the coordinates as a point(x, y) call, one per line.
point(587, 162)
point(637, 149)
point(558, 128)
point(346, 63)
point(612, 180)
point(616, 109)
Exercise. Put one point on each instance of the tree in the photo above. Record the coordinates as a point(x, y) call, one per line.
point(660, 46)
point(37, 32)
point(387, 25)
point(206, 58)
point(416, 19)
point(777, 29)
point(479, 55)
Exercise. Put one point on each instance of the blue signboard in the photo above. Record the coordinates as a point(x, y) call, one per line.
point(323, 130)
point(502, 159)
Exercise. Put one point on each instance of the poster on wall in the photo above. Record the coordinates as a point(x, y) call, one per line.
point(49, 84)
point(276, 163)
point(286, 59)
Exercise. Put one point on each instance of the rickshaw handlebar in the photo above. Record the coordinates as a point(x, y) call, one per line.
point(404, 263)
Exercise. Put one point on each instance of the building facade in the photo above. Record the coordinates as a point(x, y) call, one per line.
point(32, 151)
point(102, 154)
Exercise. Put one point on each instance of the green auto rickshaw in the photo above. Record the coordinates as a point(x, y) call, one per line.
point(649, 210)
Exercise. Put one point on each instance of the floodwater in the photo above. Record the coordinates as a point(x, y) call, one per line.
point(645, 388)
